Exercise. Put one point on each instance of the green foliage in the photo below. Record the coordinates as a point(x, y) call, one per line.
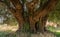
point(52, 29)
point(7, 3)
point(3, 33)
point(42, 2)
point(26, 27)
point(23, 1)
point(7, 16)
point(11, 21)
point(55, 14)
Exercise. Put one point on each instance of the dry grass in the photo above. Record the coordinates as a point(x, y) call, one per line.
point(7, 28)
point(11, 32)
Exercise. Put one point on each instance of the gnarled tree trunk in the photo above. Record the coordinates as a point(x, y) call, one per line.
point(40, 14)
point(17, 12)
point(34, 16)
point(45, 10)
point(31, 7)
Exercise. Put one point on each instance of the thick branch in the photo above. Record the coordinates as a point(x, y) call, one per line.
point(47, 7)
point(31, 6)
point(17, 4)
point(17, 12)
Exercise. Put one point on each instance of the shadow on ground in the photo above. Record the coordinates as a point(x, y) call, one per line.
point(13, 34)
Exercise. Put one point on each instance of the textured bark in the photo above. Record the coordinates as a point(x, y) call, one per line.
point(40, 14)
point(47, 7)
point(42, 24)
point(31, 6)
point(34, 16)
point(18, 12)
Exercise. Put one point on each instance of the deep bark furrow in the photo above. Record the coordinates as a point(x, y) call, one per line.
point(31, 7)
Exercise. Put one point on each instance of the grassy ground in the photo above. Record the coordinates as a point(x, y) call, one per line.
point(4, 32)
point(57, 34)
point(55, 30)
